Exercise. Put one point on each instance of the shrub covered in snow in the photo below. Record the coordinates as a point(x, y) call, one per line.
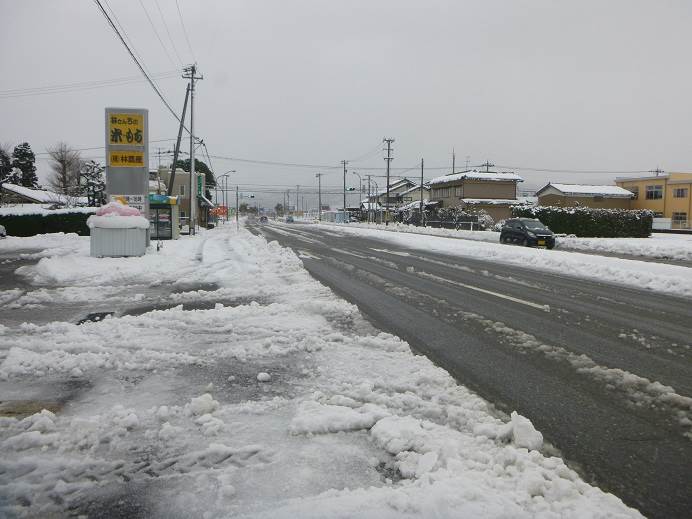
point(590, 222)
point(46, 221)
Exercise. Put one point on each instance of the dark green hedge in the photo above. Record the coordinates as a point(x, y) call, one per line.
point(590, 222)
point(32, 224)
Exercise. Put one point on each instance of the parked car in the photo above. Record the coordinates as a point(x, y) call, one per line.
point(529, 232)
point(3, 232)
point(264, 219)
point(289, 219)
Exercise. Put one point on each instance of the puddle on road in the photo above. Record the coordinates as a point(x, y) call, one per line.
point(194, 305)
point(22, 399)
point(94, 317)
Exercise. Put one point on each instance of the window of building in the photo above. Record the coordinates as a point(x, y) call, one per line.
point(458, 191)
point(182, 189)
point(680, 192)
point(635, 191)
point(654, 192)
point(443, 192)
point(679, 220)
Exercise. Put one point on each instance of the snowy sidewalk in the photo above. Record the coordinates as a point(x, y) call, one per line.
point(282, 401)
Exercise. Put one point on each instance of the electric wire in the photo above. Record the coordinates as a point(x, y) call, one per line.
point(139, 65)
point(157, 34)
point(82, 86)
point(163, 19)
point(187, 38)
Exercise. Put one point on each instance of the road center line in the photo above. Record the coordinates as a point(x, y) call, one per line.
point(545, 308)
point(341, 251)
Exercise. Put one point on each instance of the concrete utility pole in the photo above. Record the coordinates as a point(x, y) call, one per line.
point(454, 161)
point(190, 74)
point(369, 199)
point(422, 219)
point(319, 195)
point(297, 194)
point(388, 158)
point(344, 162)
point(360, 187)
point(237, 197)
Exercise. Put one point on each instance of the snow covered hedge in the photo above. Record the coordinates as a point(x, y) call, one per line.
point(46, 222)
point(590, 222)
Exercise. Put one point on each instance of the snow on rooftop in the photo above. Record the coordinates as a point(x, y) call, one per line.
point(43, 196)
point(492, 201)
point(477, 175)
point(590, 190)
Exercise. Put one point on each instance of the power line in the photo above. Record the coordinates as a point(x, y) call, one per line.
point(139, 65)
point(163, 19)
point(85, 85)
point(187, 39)
point(157, 34)
point(367, 155)
point(102, 147)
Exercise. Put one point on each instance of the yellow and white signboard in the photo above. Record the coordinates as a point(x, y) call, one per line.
point(126, 159)
point(126, 129)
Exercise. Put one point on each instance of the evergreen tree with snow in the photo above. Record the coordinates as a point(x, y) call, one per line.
point(24, 160)
point(5, 166)
point(92, 182)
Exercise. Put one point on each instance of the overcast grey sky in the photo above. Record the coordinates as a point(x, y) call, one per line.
point(571, 85)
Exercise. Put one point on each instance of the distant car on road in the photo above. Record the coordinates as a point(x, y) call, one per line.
point(3, 231)
point(528, 232)
point(289, 219)
point(264, 219)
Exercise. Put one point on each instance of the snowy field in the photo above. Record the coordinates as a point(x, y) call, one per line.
point(658, 246)
point(658, 277)
point(282, 401)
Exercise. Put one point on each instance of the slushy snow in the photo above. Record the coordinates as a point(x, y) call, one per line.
point(163, 410)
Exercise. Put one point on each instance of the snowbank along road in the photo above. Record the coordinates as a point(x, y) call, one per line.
point(602, 369)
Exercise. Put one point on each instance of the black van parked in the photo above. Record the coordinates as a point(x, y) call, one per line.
point(528, 232)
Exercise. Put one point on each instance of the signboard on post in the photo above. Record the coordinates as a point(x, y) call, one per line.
point(127, 157)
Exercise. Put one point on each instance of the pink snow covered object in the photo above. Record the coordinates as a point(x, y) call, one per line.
point(116, 208)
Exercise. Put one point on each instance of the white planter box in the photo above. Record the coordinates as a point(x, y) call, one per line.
point(109, 242)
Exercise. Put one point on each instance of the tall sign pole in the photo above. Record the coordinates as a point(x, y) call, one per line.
point(127, 157)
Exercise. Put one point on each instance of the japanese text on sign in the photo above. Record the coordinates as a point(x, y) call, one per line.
point(126, 129)
point(126, 159)
point(136, 201)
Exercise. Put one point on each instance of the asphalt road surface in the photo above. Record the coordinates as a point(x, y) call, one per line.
point(585, 361)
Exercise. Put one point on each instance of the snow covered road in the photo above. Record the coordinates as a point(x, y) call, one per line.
point(265, 396)
point(603, 369)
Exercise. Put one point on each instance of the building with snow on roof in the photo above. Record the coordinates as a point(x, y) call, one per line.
point(491, 191)
point(12, 193)
point(585, 195)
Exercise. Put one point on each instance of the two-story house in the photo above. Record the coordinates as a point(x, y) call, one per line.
point(181, 190)
point(669, 195)
point(494, 192)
